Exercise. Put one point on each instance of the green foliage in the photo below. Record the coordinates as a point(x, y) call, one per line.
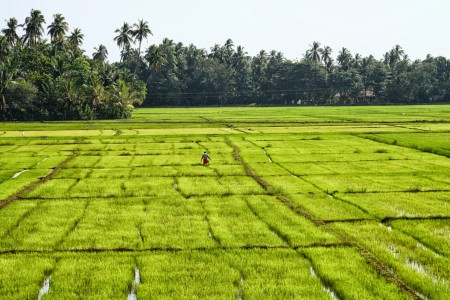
point(349, 275)
point(20, 99)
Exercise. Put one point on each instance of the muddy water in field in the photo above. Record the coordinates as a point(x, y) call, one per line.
point(19, 173)
point(45, 288)
point(313, 272)
point(41, 161)
point(137, 276)
point(324, 288)
point(137, 280)
point(270, 160)
point(387, 227)
point(239, 292)
point(393, 250)
point(330, 292)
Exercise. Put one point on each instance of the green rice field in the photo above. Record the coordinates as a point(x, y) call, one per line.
point(296, 203)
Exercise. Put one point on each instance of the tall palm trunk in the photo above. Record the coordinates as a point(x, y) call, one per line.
point(36, 54)
point(137, 63)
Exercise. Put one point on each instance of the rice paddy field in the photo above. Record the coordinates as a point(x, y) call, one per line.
point(296, 203)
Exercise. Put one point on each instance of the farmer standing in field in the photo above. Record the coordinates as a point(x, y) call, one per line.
point(205, 158)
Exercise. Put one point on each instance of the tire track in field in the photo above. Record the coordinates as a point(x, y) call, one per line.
point(382, 269)
point(22, 193)
point(311, 183)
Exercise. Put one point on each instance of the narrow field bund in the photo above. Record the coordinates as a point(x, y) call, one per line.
point(316, 205)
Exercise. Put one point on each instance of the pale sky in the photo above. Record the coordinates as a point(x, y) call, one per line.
point(421, 27)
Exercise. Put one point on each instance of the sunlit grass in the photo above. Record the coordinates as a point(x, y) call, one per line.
point(384, 205)
point(226, 185)
point(349, 276)
point(92, 276)
point(234, 224)
point(11, 186)
point(21, 276)
point(296, 229)
point(417, 266)
point(279, 178)
point(44, 227)
point(434, 234)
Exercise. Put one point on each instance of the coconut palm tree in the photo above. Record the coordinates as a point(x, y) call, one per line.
point(58, 28)
point(127, 52)
point(166, 42)
point(10, 33)
point(314, 53)
point(239, 57)
point(34, 30)
point(344, 59)
point(141, 32)
point(259, 68)
point(398, 52)
point(100, 54)
point(33, 27)
point(228, 51)
point(4, 48)
point(395, 55)
point(155, 57)
point(326, 54)
point(217, 52)
point(357, 60)
point(329, 65)
point(365, 69)
point(75, 38)
point(124, 36)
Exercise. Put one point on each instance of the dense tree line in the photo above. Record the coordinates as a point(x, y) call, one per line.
point(54, 79)
point(186, 75)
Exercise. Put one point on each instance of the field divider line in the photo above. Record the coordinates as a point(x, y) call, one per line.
point(211, 232)
point(326, 285)
point(277, 232)
point(350, 220)
point(409, 128)
point(23, 217)
point(425, 244)
point(395, 143)
point(327, 192)
point(47, 279)
point(22, 193)
point(383, 270)
point(171, 249)
point(132, 293)
point(405, 218)
point(248, 170)
point(74, 226)
point(305, 180)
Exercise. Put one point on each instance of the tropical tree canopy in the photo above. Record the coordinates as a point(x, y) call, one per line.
point(54, 79)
